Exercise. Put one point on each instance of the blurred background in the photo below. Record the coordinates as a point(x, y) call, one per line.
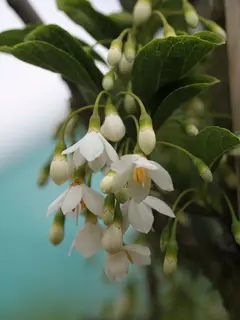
point(39, 281)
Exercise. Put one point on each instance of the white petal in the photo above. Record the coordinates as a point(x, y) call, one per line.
point(159, 205)
point(140, 216)
point(124, 162)
point(140, 254)
point(145, 163)
point(88, 239)
point(161, 177)
point(78, 159)
point(120, 179)
point(110, 151)
point(72, 199)
point(73, 148)
point(91, 146)
point(93, 200)
point(57, 203)
point(138, 191)
point(98, 163)
point(116, 266)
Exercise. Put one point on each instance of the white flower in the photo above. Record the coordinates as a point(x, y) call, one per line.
point(108, 81)
point(137, 172)
point(112, 239)
point(117, 263)
point(76, 195)
point(59, 169)
point(147, 139)
point(88, 239)
point(95, 149)
point(124, 65)
point(113, 127)
point(142, 11)
point(140, 214)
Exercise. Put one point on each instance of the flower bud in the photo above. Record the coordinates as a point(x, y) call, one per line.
point(56, 233)
point(130, 49)
point(191, 129)
point(113, 127)
point(109, 209)
point(125, 66)
point(59, 168)
point(236, 231)
point(106, 183)
point(165, 237)
point(214, 27)
point(190, 14)
point(169, 31)
point(129, 104)
point(44, 175)
point(170, 259)
point(115, 52)
point(112, 239)
point(122, 196)
point(108, 81)
point(203, 170)
point(146, 136)
point(142, 11)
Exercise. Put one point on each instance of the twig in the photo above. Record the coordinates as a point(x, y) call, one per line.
point(25, 11)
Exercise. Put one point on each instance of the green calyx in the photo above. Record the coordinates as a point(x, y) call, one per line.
point(109, 209)
point(59, 218)
point(94, 122)
point(145, 121)
point(79, 173)
point(60, 147)
point(110, 108)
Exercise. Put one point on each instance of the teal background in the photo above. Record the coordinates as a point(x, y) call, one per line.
point(39, 281)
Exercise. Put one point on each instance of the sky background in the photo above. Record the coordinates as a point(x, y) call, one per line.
point(33, 100)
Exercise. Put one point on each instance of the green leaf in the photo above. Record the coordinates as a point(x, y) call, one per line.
point(212, 142)
point(123, 19)
point(61, 39)
point(128, 4)
point(98, 25)
point(48, 57)
point(163, 61)
point(15, 36)
point(181, 92)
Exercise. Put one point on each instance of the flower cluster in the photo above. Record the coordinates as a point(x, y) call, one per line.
point(128, 173)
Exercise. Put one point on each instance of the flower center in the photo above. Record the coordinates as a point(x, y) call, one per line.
point(140, 175)
point(83, 205)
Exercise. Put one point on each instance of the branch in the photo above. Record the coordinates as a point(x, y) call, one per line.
point(25, 11)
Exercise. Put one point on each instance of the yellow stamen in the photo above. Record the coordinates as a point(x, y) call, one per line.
point(129, 258)
point(83, 205)
point(140, 175)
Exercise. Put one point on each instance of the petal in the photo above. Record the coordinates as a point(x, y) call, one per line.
point(78, 159)
point(120, 179)
point(93, 200)
point(124, 162)
point(116, 266)
point(140, 254)
point(88, 239)
point(72, 199)
point(110, 151)
point(159, 205)
point(145, 163)
point(98, 163)
point(162, 178)
point(140, 216)
point(91, 146)
point(57, 203)
point(138, 191)
point(73, 148)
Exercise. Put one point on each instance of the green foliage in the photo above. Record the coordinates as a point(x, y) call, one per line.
point(166, 60)
point(176, 94)
point(14, 36)
point(97, 24)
